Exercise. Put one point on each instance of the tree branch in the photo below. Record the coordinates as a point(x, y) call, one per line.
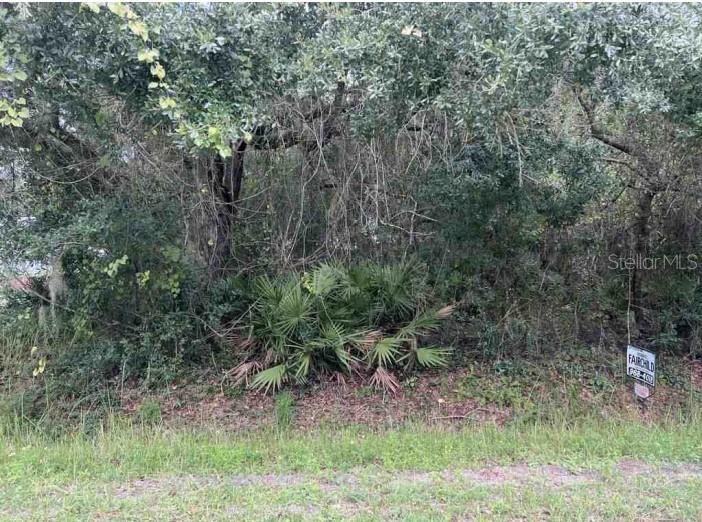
point(266, 137)
point(598, 132)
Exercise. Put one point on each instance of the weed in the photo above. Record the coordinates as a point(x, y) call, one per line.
point(284, 409)
point(149, 412)
point(364, 391)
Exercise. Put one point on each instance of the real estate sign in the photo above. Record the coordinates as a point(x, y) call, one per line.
point(641, 365)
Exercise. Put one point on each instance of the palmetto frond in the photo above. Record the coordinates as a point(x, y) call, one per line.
point(395, 290)
point(432, 356)
point(425, 322)
point(357, 279)
point(445, 312)
point(242, 372)
point(332, 319)
point(302, 362)
point(370, 338)
point(334, 333)
point(422, 324)
point(336, 337)
point(294, 310)
point(271, 379)
point(276, 344)
point(344, 357)
point(323, 280)
point(267, 290)
point(386, 351)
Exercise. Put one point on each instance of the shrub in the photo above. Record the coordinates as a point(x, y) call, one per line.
point(336, 319)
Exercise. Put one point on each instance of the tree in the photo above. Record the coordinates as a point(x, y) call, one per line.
point(94, 93)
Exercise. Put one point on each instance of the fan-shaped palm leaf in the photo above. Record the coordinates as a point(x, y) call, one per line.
point(344, 357)
point(422, 324)
point(302, 364)
point(385, 351)
point(294, 310)
point(267, 290)
point(242, 371)
point(432, 356)
point(270, 379)
point(323, 280)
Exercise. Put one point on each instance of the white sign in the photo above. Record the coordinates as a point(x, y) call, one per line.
point(641, 365)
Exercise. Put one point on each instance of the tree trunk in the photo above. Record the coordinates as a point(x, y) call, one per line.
point(642, 230)
point(225, 176)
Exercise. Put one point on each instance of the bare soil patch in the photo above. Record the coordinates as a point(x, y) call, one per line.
point(551, 476)
point(430, 397)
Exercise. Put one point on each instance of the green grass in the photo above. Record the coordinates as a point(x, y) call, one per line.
point(133, 451)
point(145, 472)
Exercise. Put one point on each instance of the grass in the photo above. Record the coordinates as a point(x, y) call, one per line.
point(560, 457)
point(141, 472)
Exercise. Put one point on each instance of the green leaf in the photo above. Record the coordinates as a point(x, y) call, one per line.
point(139, 28)
point(422, 324)
point(92, 6)
point(385, 351)
point(224, 151)
point(432, 356)
point(294, 310)
point(267, 290)
point(270, 379)
point(118, 8)
point(303, 362)
point(166, 103)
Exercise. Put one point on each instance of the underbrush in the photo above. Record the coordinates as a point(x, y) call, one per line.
point(537, 357)
point(367, 318)
point(588, 385)
point(582, 383)
point(334, 319)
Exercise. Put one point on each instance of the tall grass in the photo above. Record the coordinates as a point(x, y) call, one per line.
point(16, 342)
point(125, 450)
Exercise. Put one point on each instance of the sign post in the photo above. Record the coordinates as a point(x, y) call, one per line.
point(641, 366)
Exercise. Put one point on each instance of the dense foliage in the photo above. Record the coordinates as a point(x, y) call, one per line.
point(334, 319)
point(234, 184)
